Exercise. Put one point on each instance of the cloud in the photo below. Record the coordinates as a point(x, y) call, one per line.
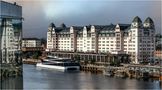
point(39, 14)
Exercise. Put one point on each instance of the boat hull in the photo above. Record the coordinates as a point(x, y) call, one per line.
point(62, 68)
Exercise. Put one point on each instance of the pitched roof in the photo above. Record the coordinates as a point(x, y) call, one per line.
point(61, 29)
point(148, 20)
point(124, 26)
point(63, 25)
point(100, 28)
point(137, 19)
point(52, 25)
point(78, 27)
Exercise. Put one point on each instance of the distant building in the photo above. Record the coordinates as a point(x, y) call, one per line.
point(158, 54)
point(32, 44)
point(135, 39)
point(10, 32)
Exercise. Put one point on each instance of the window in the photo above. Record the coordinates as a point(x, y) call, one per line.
point(118, 35)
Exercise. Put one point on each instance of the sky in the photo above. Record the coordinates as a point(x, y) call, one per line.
point(38, 14)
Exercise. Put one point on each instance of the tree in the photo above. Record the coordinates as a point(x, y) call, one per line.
point(36, 55)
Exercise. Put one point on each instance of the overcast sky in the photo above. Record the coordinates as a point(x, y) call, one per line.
point(38, 14)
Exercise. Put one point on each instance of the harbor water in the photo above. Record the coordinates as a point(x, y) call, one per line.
point(41, 78)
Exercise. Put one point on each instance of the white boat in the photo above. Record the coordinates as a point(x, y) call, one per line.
point(59, 64)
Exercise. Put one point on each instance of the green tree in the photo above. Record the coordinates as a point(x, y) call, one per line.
point(36, 55)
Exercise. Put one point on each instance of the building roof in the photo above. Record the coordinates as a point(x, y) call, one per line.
point(62, 30)
point(137, 19)
point(148, 20)
point(100, 28)
point(52, 25)
point(124, 26)
point(30, 39)
point(63, 25)
point(77, 27)
point(12, 11)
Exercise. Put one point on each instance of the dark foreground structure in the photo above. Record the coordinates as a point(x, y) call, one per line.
point(10, 46)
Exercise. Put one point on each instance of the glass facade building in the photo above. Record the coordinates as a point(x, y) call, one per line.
point(10, 41)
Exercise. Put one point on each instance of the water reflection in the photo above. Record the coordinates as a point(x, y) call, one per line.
point(13, 83)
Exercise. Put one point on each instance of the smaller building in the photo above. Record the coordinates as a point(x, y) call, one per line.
point(31, 42)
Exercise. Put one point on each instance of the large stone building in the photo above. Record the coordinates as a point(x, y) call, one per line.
point(136, 39)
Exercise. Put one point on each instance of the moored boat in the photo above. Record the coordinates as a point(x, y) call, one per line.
point(59, 64)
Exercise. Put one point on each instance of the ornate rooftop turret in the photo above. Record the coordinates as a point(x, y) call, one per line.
point(136, 23)
point(148, 23)
point(51, 26)
point(148, 20)
point(137, 20)
point(63, 25)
